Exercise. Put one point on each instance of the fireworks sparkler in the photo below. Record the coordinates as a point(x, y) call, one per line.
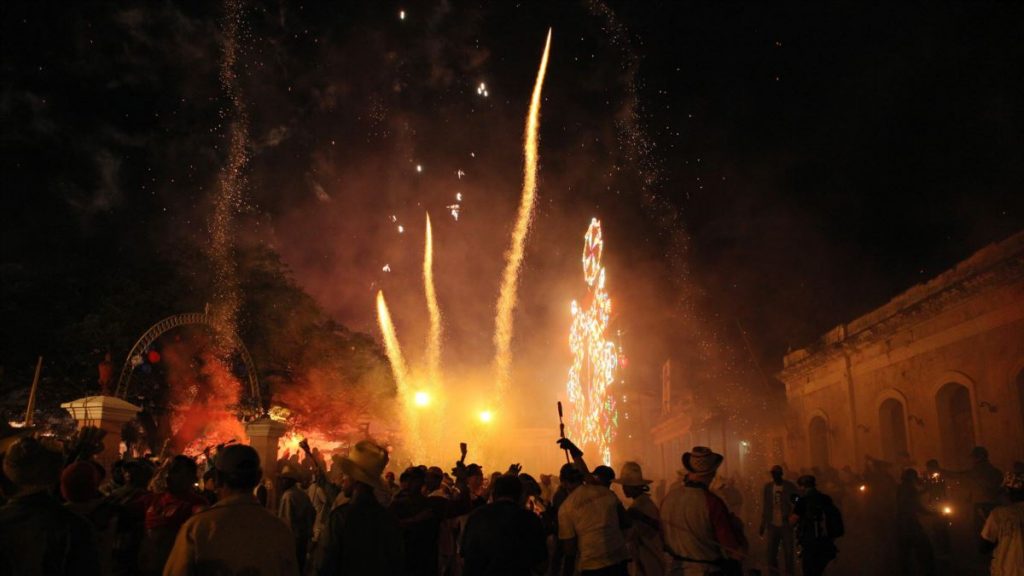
point(593, 417)
point(434, 336)
point(514, 256)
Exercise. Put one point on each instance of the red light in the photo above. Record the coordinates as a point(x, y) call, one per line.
point(153, 357)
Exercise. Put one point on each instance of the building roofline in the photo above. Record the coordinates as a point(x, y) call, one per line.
point(981, 261)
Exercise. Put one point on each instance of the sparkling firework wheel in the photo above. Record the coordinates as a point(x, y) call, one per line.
point(592, 419)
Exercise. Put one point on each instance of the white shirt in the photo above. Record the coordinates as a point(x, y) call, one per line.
point(590, 514)
point(1005, 527)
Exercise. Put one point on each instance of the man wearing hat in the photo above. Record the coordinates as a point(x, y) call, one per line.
point(37, 534)
point(643, 538)
point(236, 535)
point(777, 502)
point(1003, 534)
point(360, 536)
point(296, 510)
point(699, 533)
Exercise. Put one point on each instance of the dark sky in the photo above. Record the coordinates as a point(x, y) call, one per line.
point(783, 168)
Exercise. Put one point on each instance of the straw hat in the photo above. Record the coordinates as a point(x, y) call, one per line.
point(701, 460)
point(365, 463)
point(631, 475)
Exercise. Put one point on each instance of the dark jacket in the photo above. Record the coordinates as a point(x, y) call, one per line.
point(768, 502)
point(39, 536)
point(361, 538)
point(503, 539)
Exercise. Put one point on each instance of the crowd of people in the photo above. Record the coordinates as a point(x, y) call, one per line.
point(64, 513)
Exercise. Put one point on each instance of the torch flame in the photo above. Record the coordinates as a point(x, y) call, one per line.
point(514, 256)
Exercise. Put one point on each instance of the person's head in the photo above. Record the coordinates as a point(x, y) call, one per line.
point(605, 475)
point(30, 466)
point(701, 464)
point(909, 477)
point(474, 477)
point(979, 454)
point(237, 469)
point(80, 482)
point(806, 483)
point(507, 487)
point(632, 479)
point(1013, 483)
point(932, 465)
point(776, 473)
point(412, 479)
point(181, 474)
point(363, 467)
point(570, 477)
point(117, 473)
point(288, 477)
point(389, 476)
point(138, 473)
point(433, 479)
point(530, 485)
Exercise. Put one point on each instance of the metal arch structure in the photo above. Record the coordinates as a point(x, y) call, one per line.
point(188, 319)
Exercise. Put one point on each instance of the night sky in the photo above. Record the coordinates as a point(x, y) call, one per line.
point(778, 168)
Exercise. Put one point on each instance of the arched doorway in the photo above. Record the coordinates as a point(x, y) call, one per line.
point(892, 425)
point(818, 440)
point(956, 424)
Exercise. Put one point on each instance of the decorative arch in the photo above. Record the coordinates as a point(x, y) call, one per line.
point(818, 441)
point(188, 319)
point(956, 415)
point(893, 432)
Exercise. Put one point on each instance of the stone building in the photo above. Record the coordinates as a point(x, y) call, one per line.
point(934, 372)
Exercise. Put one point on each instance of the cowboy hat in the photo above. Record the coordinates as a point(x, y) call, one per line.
point(365, 463)
point(701, 460)
point(631, 475)
point(290, 472)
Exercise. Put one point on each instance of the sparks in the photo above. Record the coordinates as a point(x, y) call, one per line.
point(514, 256)
point(419, 168)
point(593, 417)
point(401, 229)
point(401, 14)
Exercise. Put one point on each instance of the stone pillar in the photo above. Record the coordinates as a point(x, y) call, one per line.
point(263, 434)
point(107, 413)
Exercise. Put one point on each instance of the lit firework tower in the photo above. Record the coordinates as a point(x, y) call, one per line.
point(592, 418)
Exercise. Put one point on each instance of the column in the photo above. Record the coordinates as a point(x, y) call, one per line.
point(107, 413)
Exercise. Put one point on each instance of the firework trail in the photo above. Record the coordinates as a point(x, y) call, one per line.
point(401, 373)
point(231, 180)
point(514, 256)
point(434, 336)
point(391, 345)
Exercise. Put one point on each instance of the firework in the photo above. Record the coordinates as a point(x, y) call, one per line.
point(401, 373)
point(514, 256)
point(593, 417)
point(434, 336)
point(231, 179)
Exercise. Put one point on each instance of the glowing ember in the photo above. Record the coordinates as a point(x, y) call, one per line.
point(592, 417)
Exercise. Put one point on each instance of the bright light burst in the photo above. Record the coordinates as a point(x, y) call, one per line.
point(592, 417)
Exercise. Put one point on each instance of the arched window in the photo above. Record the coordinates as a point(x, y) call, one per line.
point(892, 425)
point(818, 440)
point(956, 424)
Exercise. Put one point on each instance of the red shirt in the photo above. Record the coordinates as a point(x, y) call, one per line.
point(170, 511)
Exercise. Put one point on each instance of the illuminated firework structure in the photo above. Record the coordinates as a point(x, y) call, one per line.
point(592, 417)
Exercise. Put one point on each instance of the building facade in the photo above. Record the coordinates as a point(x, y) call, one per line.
point(934, 372)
